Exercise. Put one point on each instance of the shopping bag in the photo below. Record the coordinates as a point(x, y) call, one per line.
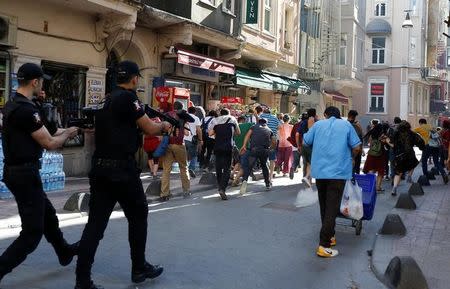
point(162, 147)
point(306, 197)
point(352, 204)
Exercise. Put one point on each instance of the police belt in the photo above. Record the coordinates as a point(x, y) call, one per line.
point(112, 164)
point(30, 165)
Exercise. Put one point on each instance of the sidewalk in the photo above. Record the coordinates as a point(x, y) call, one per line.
point(427, 237)
point(9, 217)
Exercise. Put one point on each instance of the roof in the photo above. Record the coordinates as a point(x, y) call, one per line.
point(378, 26)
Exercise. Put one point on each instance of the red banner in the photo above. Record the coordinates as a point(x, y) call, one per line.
point(231, 100)
point(377, 89)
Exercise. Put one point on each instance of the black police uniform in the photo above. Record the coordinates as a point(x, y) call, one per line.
point(21, 176)
point(115, 177)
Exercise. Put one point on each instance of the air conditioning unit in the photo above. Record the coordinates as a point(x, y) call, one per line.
point(8, 30)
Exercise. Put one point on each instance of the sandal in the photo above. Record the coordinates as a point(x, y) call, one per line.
point(380, 190)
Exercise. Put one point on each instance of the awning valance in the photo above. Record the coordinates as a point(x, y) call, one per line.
point(252, 78)
point(378, 27)
point(197, 60)
point(287, 84)
point(339, 97)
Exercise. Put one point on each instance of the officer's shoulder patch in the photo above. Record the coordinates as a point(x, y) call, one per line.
point(137, 105)
point(37, 118)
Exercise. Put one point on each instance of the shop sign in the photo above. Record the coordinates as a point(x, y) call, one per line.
point(95, 91)
point(377, 89)
point(231, 100)
point(195, 60)
point(252, 12)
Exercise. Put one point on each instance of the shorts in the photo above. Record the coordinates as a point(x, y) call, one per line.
point(150, 157)
point(273, 155)
point(306, 153)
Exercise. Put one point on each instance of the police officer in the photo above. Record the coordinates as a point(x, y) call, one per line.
point(115, 177)
point(24, 137)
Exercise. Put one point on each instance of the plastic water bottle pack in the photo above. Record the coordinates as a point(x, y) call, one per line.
point(52, 173)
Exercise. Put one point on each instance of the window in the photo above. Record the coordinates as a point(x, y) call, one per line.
point(228, 6)
point(343, 50)
point(377, 96)
point(378, 50)
point(380, 9)
point(268, 15)
point(288, 25)
point(448, 56)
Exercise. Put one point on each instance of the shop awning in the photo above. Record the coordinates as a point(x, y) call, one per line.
point(339, 97)
point(193, 59)
point(287, 84)
point(254, 79)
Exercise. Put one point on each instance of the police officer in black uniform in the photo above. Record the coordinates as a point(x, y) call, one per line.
point(24, 137)
point(115, 177)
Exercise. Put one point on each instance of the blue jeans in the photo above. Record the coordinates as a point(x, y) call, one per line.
point(192, 154)
point(434, 153)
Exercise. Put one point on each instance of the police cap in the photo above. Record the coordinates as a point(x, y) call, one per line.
point(30, 71)
point(128, 68)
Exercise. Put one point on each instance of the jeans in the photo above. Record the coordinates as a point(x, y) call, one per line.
point(105, 193)
point(435, 154)
point(296, 160)
point(192, 153)
point(223, 168)
point(357, 166)
point(37, 214)
point(330, 196)
point(207, 150)
point(254, 155)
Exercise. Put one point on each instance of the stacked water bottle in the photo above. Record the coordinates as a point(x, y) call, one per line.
point(4, 192)
point(52, 173)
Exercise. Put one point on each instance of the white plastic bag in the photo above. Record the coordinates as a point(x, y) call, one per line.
point(306, 197)
point(352, 204)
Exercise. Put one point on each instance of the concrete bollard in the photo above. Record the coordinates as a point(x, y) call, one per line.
point(404, 273)
point(416, 190)
point(393, 225)
point(208, 179)
point(424, 181)
point(78, 202)
point(405, 201)
point(154, 188)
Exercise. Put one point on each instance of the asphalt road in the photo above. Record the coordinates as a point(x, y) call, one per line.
point(206, 243)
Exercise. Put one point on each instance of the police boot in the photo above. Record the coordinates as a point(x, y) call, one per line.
point(149, 271)
point(91, 285)
point(65, 255)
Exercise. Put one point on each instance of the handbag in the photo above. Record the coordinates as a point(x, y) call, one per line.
point(162, 147)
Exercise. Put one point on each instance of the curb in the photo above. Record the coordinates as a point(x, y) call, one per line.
point(75, 215)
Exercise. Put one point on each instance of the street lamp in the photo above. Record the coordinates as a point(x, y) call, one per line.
point(407, 23)
point(404, 95)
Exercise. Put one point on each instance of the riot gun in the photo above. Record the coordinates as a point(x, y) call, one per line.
point(87, 121)
point(182, 115)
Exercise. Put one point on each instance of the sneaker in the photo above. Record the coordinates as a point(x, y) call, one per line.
point(268, 186)
point(243, 189)
point(326, 252)
point(90, 286)
point(192, 174)
point(409, 179)
point(164, 198)
point(445, 179)
point(186, 194)
point(223, 196)
point(306, 181)
point(235, 183)
point(291, 173)
point(394, 191)
point(148, 272)
point(333, 241)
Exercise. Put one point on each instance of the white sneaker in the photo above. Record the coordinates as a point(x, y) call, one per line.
point(306, 181)
point(243, 189)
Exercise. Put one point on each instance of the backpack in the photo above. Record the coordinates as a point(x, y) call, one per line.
point(204, 127)
point(291, 138)
point(376, 148)
point(435, 139)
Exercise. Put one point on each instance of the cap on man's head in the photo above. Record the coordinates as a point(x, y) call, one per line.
point(128, 68)
point(30, 71)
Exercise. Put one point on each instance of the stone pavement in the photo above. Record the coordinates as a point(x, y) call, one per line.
point(427, 238)
point(9, 217)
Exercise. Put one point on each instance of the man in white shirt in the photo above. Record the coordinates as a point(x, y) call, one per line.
point(193, 141)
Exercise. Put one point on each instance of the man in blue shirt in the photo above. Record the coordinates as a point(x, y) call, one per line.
point(334, 142)
point(272, 123)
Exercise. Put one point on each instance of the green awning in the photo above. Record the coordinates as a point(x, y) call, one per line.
point(251, 78)
point(287, 84)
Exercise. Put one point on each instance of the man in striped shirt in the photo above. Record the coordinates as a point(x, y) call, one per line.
point(272, 123)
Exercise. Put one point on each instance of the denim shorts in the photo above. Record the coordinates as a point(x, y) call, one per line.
point(273, 155)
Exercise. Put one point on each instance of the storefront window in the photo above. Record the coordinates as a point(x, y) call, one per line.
point(66, 90)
